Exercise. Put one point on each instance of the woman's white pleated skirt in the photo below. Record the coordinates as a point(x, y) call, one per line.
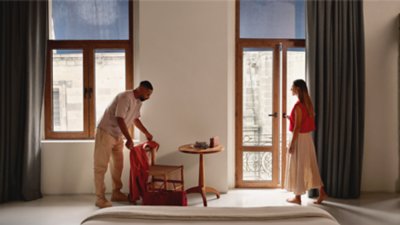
point(302, 172)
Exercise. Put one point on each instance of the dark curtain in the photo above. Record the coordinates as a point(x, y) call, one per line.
point(23, 37)
point(335, 64)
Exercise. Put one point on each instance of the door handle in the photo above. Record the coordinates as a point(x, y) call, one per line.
point(85, 92)
point(88, 92)
point(275, 114)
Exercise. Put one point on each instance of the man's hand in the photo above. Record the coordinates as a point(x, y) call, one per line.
point(129, 144)
point(139, 125)
point(124, 130)
point(149, 136)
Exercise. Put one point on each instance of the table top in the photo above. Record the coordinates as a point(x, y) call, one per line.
point(189, 148)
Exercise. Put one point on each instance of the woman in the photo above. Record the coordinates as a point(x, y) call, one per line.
point(302, 171)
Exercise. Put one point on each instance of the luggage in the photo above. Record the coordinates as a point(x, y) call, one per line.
point(165, 197)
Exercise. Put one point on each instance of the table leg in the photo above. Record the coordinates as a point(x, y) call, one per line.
point(201, 180)
point(201, 171)
point(201, 191)
point(212, 190)
point(201, 188)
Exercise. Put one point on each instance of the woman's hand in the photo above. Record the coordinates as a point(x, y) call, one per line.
point(291, 149)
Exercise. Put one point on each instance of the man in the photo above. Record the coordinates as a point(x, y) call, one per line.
point(121, 114)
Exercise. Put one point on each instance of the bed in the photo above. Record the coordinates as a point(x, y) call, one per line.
point(171, 215)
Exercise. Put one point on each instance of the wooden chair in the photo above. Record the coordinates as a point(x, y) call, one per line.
point(168, 177)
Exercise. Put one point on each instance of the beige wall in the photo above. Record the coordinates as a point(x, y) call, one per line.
point(381, 153)
point(183, 50)
point(186, 48)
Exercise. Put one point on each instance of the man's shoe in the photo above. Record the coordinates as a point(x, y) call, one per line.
point(103, 203)
point(118, 196)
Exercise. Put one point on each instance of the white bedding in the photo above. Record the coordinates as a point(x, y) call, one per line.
point(169, 215)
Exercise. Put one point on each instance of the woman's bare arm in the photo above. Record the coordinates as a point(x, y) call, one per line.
point(296, 130)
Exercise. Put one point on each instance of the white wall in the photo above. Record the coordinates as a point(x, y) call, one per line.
point(67, 168)
point(381, 152)
point(186, 49)
point(183, 51)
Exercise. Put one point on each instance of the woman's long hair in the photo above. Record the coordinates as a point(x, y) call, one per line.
point(304, 97)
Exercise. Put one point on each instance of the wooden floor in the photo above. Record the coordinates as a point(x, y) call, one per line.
point(370, 209)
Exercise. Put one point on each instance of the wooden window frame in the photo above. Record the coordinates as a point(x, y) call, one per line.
point(88, 48)
point(240, 44)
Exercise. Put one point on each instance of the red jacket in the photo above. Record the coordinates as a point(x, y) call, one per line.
point(139, 170)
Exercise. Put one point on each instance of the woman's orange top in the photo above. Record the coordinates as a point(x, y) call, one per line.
point(307, 122)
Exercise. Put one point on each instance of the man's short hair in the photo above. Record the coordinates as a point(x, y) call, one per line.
point(146, 84)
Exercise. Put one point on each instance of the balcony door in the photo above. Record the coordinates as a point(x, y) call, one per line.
point(270, 55)
point(265, 71)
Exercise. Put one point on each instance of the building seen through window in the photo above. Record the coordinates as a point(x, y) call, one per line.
point(269, 57)
point(90, 51)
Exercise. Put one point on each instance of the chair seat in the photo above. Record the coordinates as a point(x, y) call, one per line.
point(161, 177)
point(168, 177)
point(160, 170)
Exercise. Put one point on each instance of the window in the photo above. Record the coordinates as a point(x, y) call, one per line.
point(272, 19)
point(90, 50)
point(56, 111)
point(270, 54)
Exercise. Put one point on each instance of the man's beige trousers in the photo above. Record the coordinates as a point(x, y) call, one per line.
point(106, 147)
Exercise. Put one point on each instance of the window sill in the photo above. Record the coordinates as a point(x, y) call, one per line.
point(75, 141)
point(67, 141)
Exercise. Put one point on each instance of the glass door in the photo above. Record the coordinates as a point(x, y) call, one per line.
point(270, 55)
point(293, 67)
point(265, 73)
point(258, 136)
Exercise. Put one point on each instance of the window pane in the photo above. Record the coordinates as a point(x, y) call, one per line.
point(257, 96)
point(296, 69)
point(110, 78)
point(272, 19)
point(257, 166)
point(89, 19)
point(67, 90)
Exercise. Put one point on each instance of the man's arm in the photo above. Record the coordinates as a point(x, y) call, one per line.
point(125, 132)
point(141, 127)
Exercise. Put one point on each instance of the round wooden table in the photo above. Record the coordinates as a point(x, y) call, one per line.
point(201, 188)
